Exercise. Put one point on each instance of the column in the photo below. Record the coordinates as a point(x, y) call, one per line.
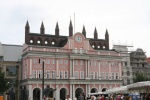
point(99, 70)
point(70, 67)
point(86, 93)
point(86, 68)
point(31, 93)
point(89, 90)
point(73, 68)
point(57, 71)
point(71, 92)
point(88, 63)
point(120, 71)
point(100, 88)
point(109, 74)
point(57, 93)
point(30, 68)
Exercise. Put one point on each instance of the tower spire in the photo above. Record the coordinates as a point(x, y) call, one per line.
point(84, 31)
point(70, 29)
point(95, 34)
point(27, 28)
point(42, 29)
point(57, 29)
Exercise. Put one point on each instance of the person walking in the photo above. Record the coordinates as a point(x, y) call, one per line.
point(81, 97)
point(11, 94)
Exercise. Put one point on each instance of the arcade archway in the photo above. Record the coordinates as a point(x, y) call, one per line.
point(94, 90)
point(36, 94)
point(104, 89)
point(63, 93)
point(78, 92)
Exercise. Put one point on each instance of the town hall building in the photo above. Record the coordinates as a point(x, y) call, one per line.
point(73, 64)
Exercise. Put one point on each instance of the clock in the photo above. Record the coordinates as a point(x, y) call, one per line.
point(78, 38)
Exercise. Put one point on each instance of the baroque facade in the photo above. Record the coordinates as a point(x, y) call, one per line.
point(72, 64)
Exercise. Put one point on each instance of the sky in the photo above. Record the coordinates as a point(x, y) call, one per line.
point(127, 21)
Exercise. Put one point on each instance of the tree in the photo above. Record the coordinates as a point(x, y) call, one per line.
point(140, 77)
point(3, 82)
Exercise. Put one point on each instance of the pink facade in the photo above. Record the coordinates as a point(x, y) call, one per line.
point(75, 68)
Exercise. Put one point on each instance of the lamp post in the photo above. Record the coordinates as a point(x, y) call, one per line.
point(16, 86)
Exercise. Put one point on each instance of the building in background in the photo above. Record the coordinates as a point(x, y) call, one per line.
point(10, 58)
point(73, 64)
point(126, 67)
point(139, 63)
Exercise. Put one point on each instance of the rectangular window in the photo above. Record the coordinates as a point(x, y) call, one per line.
point(76, 75)
point(107, 76)
point(34, 61)
point(47, 61)
point(66, 74)
point(40, 74)
point(95, 63)
point(81, 51)
point(76, 62)
point(102, 75)
point(66, 62)
point(81, 75)
point(53, 74)
point(117, 76)
point(60, 74)
point(53, 61)
point(113, 76)
point(96, 75)
point(61, 61)
point(11, 71)
point(91, 75)
point(48, 74)
point(81, 62)
point(34, 73)
point(75, 50)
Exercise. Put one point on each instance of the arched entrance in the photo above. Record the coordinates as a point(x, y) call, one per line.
point(63, 93)
point(94, 90)
point(104, 89)
point(78, 92)
point(36, 94)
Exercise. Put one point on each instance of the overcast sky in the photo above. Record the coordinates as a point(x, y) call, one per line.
point(127, 21)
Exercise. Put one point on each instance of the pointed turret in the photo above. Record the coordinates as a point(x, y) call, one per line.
point(70, 29)
point(27, 28)
point(42, 29)
point(84, 31)
point(95, 34)
point(57, 29)
point(106, 35)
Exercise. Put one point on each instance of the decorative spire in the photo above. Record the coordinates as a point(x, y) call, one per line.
point(42, 30)
point(106, 35)
point(84, 31)
point(27, 28)
point(57, 29)
point(95, 34)
point(70, 29)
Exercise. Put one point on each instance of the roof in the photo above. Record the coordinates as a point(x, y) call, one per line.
point(148, 59)
point(12, 52)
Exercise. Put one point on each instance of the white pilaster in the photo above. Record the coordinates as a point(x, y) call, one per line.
point(89, 89)
point(109, 74)
point(57, 96)
point(70, 67)
point(88, 62)
point(30, 93)
point(57, 72)
point(73, 91)
point(86, 68)
point(99, 89)
point(30, 68)
point(73, 67)
point(70, 91)
point(99, 69)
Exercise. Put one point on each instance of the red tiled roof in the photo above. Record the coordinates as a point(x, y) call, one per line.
point(148, 59)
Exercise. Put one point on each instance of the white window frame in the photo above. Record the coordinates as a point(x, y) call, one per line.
point(117, 76)
point(61, 74)
point(75, 50)
point(102, 75)
point(34, 61)
point(76, 75)
point(48, 74)
point(107, 76)
point(40, 74)
point(112, 76)
point(96, 75)
point(65, 74)
point(81, 50)
point(47, 61)
point(53, 74)
point(76, 62)
point(53, 61)
point(34, 74)
point(91, 75)
point(81, 74)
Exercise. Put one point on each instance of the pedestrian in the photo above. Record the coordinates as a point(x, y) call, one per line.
point(67, 98)
point(81, 97)
point(11, 94)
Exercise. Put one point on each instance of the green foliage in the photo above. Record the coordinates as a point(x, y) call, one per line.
point(140, 77)
point(3, 82)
